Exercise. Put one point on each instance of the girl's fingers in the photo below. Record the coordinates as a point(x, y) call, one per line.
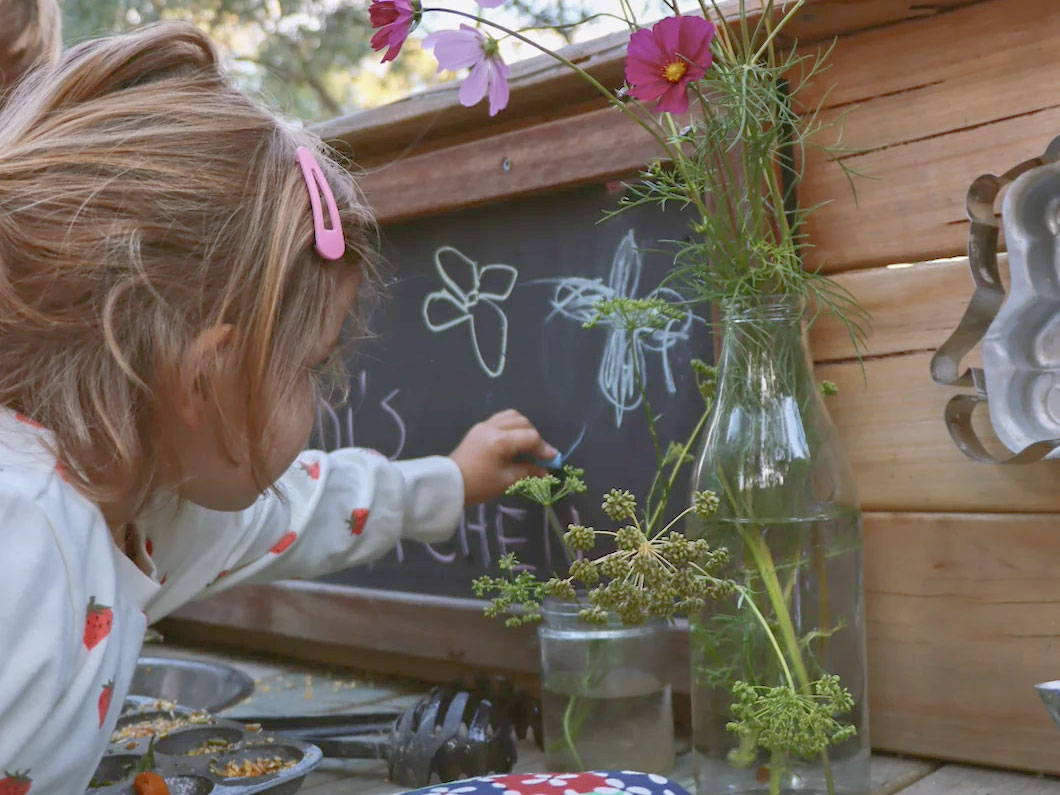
point(527, 442)
point(510, 419)
point(519, 471)
point(520, 441)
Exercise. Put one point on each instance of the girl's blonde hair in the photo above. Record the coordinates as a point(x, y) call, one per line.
point(144, 200)
point(30, 34)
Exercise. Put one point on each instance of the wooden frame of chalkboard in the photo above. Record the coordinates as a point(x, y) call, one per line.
point(555, 137)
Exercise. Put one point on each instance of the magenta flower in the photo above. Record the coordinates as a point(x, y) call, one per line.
point(467, 47)
point(395, 19)
point(662, 61)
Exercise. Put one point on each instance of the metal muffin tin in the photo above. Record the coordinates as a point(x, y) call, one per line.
point(191, 683)
point(1021, 349)
point(1050, 695)
point(197, 775)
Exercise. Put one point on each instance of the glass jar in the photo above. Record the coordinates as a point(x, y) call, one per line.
point(789, 517)
point(605, 693)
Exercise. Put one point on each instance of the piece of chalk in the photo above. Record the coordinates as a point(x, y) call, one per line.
point(556, 462)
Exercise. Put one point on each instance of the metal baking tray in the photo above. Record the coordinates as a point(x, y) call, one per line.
point(191, 683)
point(1021, 348)
point(1050, 695)
point(199, 774)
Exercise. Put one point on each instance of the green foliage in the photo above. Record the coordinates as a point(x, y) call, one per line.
point(634, 314)
point(519, 595)
point(783, 719)
point(736, 161)
point(706, 376)
point(547, 490)
point(661, 577)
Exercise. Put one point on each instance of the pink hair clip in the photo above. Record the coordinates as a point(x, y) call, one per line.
point(330, 244)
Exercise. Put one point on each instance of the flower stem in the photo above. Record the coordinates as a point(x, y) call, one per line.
point(780, 26)
point(768, 571)
point(777, 763)
point(568, 732)
point(665, 498)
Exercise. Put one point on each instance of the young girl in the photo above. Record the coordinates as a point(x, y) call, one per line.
point(176, 268)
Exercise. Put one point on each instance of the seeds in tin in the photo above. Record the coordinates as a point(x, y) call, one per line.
point(215, 745)
point(159, 726)
point(251, 768)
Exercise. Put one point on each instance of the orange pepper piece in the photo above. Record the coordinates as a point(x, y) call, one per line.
point(150, 784)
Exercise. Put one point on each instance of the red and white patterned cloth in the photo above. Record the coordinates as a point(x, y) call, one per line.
point(623, 782)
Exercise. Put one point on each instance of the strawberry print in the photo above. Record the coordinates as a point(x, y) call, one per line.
point(98, 621)
point(286, 541)
point(104, 701)
point(357, 519)
point(149, 546)
point(27, 421)
point(15, 783)
point(313, 469)
point(62, 471)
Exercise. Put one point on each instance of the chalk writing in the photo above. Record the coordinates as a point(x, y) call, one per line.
point(487, 531)
point(337, 428)
point(475, 303)
point(623, 357)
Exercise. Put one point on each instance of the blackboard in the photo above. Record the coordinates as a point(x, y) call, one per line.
point(447, 356)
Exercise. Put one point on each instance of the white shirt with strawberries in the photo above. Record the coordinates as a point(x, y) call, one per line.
point(74, 607)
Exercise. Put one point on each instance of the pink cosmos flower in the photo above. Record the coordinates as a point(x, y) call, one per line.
point(662, 61)
point(395, 19)
point(467, 47)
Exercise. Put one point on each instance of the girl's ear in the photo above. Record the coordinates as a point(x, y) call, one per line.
point(190, 393)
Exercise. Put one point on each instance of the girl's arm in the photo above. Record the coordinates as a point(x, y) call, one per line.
point(335, 510)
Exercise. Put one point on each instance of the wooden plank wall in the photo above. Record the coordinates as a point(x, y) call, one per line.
point(961, 558)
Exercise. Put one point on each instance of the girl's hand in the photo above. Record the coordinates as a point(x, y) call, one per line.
point(487, 455)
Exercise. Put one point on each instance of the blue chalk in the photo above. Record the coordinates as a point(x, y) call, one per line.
point(556, 462)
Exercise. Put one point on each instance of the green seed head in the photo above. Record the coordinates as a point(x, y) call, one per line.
point(593, 615)
point(676, 548)
point(629, 539)
point(620, 505)
point(559, 589)
point(585, 570)
point(704, 503)
point(579, 538)
point(614, 566)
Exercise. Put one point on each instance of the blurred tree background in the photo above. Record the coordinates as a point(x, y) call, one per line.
point(309, 58)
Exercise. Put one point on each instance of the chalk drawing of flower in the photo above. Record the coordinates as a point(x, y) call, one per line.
point(471, 295)
point(576, 297)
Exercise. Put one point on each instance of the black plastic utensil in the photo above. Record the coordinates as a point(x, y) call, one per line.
point(456, 731)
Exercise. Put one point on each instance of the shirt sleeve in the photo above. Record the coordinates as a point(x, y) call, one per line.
point(329, 511)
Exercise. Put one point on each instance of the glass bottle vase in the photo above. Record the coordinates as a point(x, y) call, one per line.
point(605, 693)
point(788, 514)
